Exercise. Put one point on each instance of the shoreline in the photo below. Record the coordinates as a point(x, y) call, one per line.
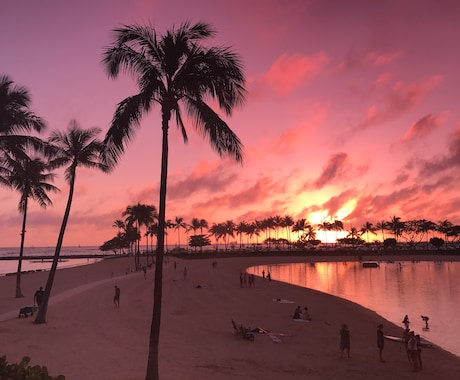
point(196, 338)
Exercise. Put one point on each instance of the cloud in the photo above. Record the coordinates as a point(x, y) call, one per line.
point(337, 170)
point(355, 59)
point(447, 161)
point(422, 127)
point(288, 73)
point(401, 98)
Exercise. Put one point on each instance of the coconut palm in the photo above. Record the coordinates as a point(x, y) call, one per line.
point(75, 148)
point(140, 215)
point(30, 177)
point(177, 226)
point(173, 70)
point(366, 228)
point(16, 117)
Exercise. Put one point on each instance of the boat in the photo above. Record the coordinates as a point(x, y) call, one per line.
point(371, 264)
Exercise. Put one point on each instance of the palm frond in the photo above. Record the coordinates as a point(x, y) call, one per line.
point(221, 137)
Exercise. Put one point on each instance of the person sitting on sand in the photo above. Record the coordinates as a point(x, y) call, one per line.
point(306, 314)
point(298, 313)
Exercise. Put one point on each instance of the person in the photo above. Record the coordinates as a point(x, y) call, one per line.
point(380, 342)
point(298, 313)
point(269, 276)
point(185, 273)
point(116, 297)
point(344, 340)
point(419, 351)
point(38, 297)
point(425, 319)
point(306, 314)
point(263, 275)
point(406, 337)
point(412, 351)
point(406, 321)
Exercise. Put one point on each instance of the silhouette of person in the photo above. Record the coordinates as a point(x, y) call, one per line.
point(380, 341)
point(38, 296)
point(116, 297)
point(344, 340)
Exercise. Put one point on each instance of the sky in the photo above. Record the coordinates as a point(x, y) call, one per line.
point(351, 112)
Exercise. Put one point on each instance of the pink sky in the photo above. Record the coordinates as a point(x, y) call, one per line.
point(352, 112)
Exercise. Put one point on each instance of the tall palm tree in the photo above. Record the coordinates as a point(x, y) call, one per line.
point(30, 177)
point(173, 69)
point(75, 147)
point(16, 117)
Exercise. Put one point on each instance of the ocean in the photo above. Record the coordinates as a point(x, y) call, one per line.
point(11, 266)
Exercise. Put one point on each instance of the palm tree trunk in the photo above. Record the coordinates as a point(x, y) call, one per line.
point(21, 252)
point(152, 365)
point(41, 315)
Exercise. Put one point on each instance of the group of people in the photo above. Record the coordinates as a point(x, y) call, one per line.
point(299, 314)
point(247, 280)
point(345, 341)
point(413, 349)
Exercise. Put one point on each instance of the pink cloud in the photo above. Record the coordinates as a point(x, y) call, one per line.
point(401, 98)
point(289, 72)
point(422, 127)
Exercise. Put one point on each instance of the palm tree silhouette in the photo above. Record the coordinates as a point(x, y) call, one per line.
point(178, 225)
point(140, 215)
point(30, 177)
point(75, 147)
point(16, 117)
point(173, 69)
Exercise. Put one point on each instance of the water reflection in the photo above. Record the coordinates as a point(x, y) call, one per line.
point(392, 290)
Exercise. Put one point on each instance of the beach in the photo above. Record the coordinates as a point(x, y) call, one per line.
point(87, 337)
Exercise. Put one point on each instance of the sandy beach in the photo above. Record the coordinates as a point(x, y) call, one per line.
point(87, 337)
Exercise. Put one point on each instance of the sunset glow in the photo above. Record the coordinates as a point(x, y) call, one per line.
point(352, 113)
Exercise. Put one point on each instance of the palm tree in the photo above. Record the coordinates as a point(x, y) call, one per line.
point(173, 69)
point(178, 225)
point(366, 228)
point(16, 117)
point(76, 148)
point(140, 215)
point(382, 226)
point(30, 177)
point(396, 226)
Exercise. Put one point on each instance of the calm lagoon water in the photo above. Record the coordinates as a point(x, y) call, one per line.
point(392, 290)
point(11, 266)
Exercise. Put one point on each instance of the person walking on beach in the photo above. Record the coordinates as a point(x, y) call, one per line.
point(406, 321)
point(185, 273)
point(344, 340)
point(38, 296)
point(116, 297)
point(380, 342)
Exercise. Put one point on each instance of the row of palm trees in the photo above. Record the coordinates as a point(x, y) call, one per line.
point(27, 163)
point(279, 230)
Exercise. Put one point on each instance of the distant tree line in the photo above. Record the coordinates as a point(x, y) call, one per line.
point(281, 232)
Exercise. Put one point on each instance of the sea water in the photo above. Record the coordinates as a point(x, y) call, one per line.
point(11, 266)
point(392, 290)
